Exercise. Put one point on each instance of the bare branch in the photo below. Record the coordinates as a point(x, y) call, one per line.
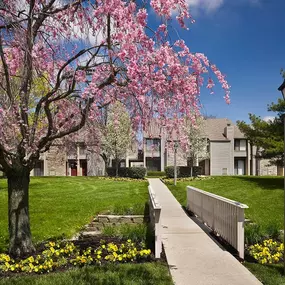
point(55, 89)
point(6, 71)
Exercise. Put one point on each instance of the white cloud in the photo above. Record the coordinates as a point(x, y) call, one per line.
point(213, 5)
point(268, 118)
point(207, 5)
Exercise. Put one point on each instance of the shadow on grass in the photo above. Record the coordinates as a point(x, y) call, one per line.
point(266, 183)
point(150, 238)
point(276, 267)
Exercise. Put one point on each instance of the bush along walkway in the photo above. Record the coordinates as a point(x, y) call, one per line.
point(193, 257)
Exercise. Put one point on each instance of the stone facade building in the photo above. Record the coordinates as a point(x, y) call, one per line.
point(80, 161)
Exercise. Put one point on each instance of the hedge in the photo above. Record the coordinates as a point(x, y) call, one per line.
point(122, 171)
point(197, 170)
point(155, 173)
point(183, 171)
point(136, 172)
point(169, 171)
point(132, 172)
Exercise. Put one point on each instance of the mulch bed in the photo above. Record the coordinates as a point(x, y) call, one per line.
point(82, 244)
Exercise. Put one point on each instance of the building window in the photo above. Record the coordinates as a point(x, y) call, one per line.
point(140, 154)
point(82, 149)
point(240, 145)
point(153, 144)
point(39, 168)
point(136, 163)
point(239, 167)
point(153, 164)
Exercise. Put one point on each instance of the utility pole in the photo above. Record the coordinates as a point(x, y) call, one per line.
point(175, 164)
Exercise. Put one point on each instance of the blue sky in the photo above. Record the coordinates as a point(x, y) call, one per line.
point(246, 40)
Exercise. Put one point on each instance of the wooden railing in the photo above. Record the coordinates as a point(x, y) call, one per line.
point(224, 216)
point(155, 221)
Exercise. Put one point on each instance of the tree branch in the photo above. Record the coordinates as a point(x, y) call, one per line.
point(6, 71)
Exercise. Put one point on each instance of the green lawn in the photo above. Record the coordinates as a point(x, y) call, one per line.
point(119, 274)
point(263, 195)
point(62, 205)
point(271, 274)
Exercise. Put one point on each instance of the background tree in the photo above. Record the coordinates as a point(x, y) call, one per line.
point(116, 135)
point(197, 143)
point(89, 54)
point(267, 136)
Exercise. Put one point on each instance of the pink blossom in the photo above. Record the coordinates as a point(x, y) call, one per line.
point(152, 77)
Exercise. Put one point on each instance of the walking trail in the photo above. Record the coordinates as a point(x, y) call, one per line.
point(193, 257)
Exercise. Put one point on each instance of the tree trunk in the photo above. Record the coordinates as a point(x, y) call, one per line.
point(196, 161)
point(106, 164)
point(117, 167)
point(18, 214)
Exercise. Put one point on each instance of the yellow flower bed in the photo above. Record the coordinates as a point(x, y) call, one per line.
point(120, 179)
point(58, 255)
point(185, 179)
point(268, 251)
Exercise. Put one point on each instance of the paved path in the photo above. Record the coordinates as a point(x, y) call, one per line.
point(193, 257)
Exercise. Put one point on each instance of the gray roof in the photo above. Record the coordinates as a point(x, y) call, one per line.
point(215, 129)
point(238, 133)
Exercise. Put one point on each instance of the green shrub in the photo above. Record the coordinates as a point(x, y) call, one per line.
point(273, 231)
point(136, 172)
point(184, 171)
point(111, 171)
point(155, 173)
point(253, 234)
point(169, 171)
point(122, 171)
point(132, 172)
point(197, 170)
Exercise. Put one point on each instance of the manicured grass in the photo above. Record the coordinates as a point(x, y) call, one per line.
point(271, 274)
point(60, 206)
point(119, 274)
point(137, 232)
point(263, 195)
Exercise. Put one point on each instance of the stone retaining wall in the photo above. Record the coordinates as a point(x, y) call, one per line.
point(102, 221)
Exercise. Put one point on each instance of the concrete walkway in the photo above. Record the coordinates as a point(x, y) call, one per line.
point(193, 257)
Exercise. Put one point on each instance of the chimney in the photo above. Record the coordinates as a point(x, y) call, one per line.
point(229, 131)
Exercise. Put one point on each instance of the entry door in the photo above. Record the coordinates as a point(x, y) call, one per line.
point(84, 167)
point(241, 167)
point(73, 166)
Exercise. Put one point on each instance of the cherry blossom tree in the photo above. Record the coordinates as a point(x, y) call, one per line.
point(88, 53)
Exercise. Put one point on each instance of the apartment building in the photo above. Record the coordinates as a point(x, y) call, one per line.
point(229, 154)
